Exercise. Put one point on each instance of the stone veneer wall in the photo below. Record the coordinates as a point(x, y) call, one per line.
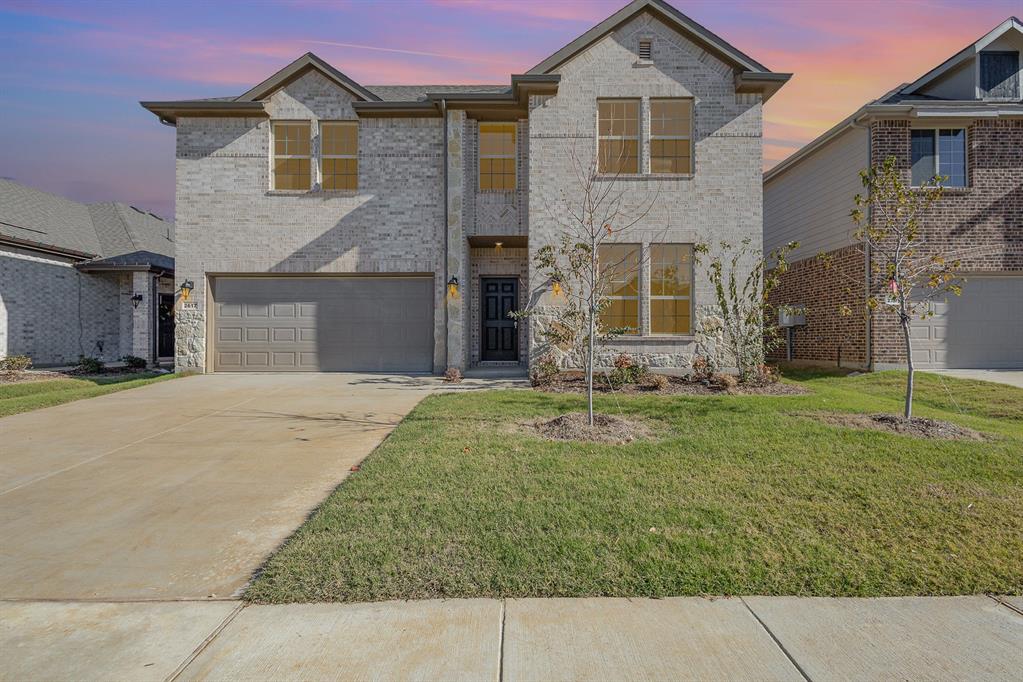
point(485, 262)
point(720, 201)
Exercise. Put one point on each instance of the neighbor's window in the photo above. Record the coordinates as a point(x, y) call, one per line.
point(671, 135)
point(939, 152)
point(291, 156)
point(621, 262)
point(671, 288)
point(339, 155)
point(618, 135)
point(497, 156)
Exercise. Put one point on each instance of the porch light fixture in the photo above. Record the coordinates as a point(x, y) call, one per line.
point(556, 287)
point(453, 287)
point(186, 289)
point(498, 246)
point(135, 300)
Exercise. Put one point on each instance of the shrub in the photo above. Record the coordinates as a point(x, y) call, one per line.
point(543, 371)
point(15, 363)
point(625, 371)
point(87, 365)
point(703, 368)
point(134, 362)
point(453, 375)
point(657, 382)
point(728, 382)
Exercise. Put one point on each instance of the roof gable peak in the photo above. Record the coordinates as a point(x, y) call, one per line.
point(306, 62)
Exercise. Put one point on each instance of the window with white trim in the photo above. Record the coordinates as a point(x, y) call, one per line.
point(621, 307)
point(339, 155)
point(938, 153)
point(671, 288)
point(497, 156)
point(292, 158)
point(618, 136)
point(671, 136)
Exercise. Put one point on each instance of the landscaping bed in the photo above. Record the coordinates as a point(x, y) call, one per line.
point(735, 495)
point(574, 381)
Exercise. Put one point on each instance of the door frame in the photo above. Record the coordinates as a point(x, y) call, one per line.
point(482, 307)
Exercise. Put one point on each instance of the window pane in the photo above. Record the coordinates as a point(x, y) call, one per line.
point(671, 269)
point(497, 156)
point(671, 116)
point(621, 263)
point(952, 157)
point(922, 149)
point(619, 156)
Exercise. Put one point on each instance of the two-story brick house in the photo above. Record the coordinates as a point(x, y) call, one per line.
point(962, 121)
point(327, 225)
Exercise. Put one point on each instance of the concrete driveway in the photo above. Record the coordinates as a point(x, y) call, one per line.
point(180, 489)
point(1011, 377)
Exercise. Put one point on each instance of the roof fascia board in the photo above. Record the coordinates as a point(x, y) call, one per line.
point(170, 111)
point(44, 248)
point(765, 83)
point(662, 10)
point(298, 68)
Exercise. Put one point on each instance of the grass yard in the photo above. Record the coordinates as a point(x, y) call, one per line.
point(737, 497)
point(33, 395)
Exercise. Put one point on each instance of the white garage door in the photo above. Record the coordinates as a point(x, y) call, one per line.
point(325, 324)
point(981, 329)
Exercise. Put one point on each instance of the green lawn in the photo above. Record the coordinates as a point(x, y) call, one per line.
point(33, 395)
point(738, 497)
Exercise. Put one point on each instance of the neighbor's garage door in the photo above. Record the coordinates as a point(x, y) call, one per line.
point(325, 324)
point(983, 328)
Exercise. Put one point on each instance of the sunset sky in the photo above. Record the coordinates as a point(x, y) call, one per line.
point(73, 72)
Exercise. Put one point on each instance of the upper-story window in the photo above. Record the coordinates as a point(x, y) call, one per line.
point(939, 153)
point(999, 74)
point(339, 155)
point(497, 153)
point(671, 135)
point(618, 136)
point(292, 159)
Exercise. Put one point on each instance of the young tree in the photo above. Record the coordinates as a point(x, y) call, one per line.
point(748, 326)
point(595, 216)
point(908, 269)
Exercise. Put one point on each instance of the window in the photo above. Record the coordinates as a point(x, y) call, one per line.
point(671, 130)
point(339, 155)
point(999, 75)
point(621, 262)
point(618, 136)
point(291, 156)
point(671, 281)
point(497, 156)
point(939, 152)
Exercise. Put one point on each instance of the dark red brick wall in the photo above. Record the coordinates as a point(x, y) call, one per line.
point(829, 337)
point(981, 224)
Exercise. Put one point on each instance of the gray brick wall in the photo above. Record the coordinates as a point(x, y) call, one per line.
point(722, 200)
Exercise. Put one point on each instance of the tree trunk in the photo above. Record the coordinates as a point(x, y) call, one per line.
point(904, 320)
point(589, 370)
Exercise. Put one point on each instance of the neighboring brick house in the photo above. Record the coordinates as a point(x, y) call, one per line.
point(962, 120)
point(75, 279)
point(328, 225)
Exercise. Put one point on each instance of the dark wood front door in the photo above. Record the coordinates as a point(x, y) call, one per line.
point(165, 326)
point(500, 337)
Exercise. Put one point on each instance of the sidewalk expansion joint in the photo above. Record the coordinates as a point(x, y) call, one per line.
point(500, 641)
point(205, 643)
point(777, 641)
point(1006, 604)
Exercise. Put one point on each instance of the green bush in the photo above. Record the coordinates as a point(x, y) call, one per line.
point(134, 362)
point(625, 372)
point(90, 365)
point(15, 363)
point(543, 371)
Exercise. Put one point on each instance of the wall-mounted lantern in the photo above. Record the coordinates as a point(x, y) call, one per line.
point(186, 289)
point(556, 287)
point(498, 247)
point(453, 287)
point(136, 300)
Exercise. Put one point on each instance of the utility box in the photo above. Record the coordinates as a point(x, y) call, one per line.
point(792, 316)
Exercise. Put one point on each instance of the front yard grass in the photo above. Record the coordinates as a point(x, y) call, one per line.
point(739, 496)
point(33, 395)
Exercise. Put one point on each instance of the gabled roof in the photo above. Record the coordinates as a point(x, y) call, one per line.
point(968, 52)
point(43, 221)
point(672, 17)
point(306, 62)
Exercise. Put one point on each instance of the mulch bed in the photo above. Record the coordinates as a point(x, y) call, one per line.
point(920, 427)
point(574, 381)
point(606, 428)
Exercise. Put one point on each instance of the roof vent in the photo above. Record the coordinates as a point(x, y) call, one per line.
point(645, 50)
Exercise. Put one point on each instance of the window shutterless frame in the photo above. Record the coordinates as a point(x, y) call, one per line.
point(936, 138)
point(671, 289)
point(290, 155)
point(497, 157)
point(671, 136)
point(618, 136)
point(622, 307)
point(339, 156)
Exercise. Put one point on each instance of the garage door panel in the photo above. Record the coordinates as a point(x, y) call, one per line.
point(323, 323)
point(982, 328)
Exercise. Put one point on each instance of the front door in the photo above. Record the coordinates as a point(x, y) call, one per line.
point(165, 326)
point(499, 338)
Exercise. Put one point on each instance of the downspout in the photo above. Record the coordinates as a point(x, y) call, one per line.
point(444, 281)
point(866, 257)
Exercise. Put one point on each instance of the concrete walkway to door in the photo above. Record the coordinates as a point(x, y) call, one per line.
point(180, 490)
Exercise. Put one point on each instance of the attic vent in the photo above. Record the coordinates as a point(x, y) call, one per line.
point(645, 50)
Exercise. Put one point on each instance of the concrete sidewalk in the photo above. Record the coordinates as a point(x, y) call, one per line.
point(752, 638)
